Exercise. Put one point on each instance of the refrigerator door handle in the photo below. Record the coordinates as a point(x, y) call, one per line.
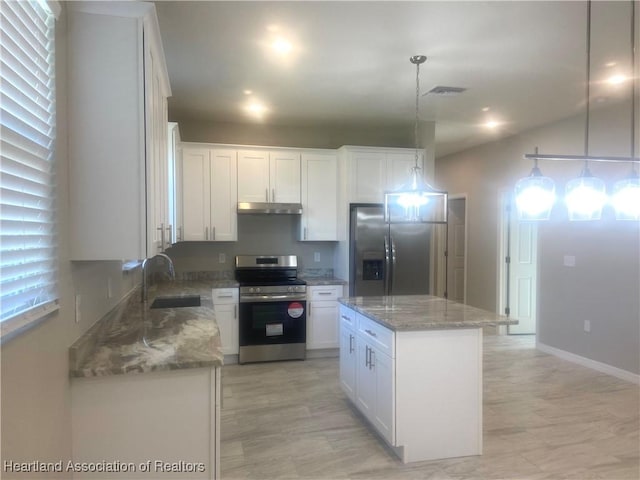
point(387, 266)
point(393, 263)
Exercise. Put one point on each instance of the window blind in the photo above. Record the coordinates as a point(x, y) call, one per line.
point(28, 241)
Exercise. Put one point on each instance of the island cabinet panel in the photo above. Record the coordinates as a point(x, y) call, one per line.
point(156, 425)
point(421, 390)
point(348, 352)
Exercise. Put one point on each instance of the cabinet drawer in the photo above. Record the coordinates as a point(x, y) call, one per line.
point(347, 317)
point(377, 335)
point(325, 292)
point(223, 296)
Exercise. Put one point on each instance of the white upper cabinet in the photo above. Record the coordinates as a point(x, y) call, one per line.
point(269, 176)
point(372, 171)
point(209, 193)
point(319, 220)
point(117, 131)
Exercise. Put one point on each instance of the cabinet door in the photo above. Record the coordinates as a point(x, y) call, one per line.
point(369, 174)
point(383, 417)
point(399, 167)
point(319, 197)
point(196, 188)
point(224, 196)
point(365, 380)
point(348, 361)
point(227, 319)
point(322, 325)
point(284, 177)
point(253, 176)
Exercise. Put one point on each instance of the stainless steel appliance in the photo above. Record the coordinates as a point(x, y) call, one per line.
point(387, 259)
point(273, 308)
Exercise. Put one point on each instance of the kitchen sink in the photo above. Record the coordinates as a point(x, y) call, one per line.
point(176, 302)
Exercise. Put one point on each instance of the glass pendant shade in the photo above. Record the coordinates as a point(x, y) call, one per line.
point(626, 198)
point(585, 196)
point(535, 196)
point(416, 201)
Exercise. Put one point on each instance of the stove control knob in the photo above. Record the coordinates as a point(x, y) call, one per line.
point(258, 290)
point(251, 290)
point(289, 289)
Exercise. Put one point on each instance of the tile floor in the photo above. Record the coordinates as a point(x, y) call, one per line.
point(544, 418)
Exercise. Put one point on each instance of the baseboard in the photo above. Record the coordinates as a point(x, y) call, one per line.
point(592, 364)
point(323, 353)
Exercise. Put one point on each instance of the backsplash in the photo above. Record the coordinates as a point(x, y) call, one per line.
point(257, 235)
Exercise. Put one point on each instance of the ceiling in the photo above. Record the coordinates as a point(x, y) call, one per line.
point(348, 63)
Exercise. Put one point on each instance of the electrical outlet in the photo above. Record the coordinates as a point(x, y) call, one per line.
point(569, 261)
point(316, 257)
point(109, 288)
point(77, 308)
point(587, 326)
point(222, 258)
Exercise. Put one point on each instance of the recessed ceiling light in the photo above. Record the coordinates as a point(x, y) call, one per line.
point(616, 79)
point(610, 64)
point(255, 108)
point(247, 92)
point(491, 124)
point(281, 46)
point(486, 109)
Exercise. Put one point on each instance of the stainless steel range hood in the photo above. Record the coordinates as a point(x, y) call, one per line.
point(270, 208)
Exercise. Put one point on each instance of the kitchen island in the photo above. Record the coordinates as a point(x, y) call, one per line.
point(412, 365)
point(145, 388)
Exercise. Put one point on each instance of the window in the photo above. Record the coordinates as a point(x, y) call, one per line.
point(28, 248)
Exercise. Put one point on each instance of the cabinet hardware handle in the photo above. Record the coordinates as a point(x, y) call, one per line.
point(266, 194)
point(273, 195)
point(309, 309)
point(351, 337)
point(235, 311)
point(224, 296)
point(179, 235)
point(373, 334)
point(305, 233)
point(213, 233)
point(161, 228)
point(344, 317)
point(324, 293)
point(366, 355)
point(372, 357)
point(206, 233)
point(170, 229)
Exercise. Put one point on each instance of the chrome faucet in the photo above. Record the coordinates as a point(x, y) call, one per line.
point(172, 272)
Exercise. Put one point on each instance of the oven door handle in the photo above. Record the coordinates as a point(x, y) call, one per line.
point(272, 298)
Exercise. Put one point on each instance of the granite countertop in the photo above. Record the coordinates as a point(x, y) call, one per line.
point(318, 281)
point(423, 312)
point(134, 338)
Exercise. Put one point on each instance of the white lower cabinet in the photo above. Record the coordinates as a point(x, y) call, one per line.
point(420, 390)
point(348, 352)
point(225, 307)
point(163, 424)
point(322, 316)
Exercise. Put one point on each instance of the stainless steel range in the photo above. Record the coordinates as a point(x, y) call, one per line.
point(273, 308)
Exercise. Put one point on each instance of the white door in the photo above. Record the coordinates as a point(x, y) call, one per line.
point(195, 193)
point(323, 325)
point(224, 195)
point(456, 250)
point(284, 177)
point(521, 267)
point(365, 380)
point(253, 176)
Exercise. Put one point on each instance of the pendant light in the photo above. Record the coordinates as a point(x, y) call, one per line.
point(626, 192)
point(535, 195)
point(416, 201)
point(585, 196)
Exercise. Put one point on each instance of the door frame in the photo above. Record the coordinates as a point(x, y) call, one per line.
point(441, 261)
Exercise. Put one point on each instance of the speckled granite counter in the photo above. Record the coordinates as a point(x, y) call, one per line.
point(319, 281)
point(134, 338)
point(423, 312)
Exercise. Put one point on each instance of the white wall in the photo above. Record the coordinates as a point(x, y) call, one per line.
point(35, 399)
point(604, 285)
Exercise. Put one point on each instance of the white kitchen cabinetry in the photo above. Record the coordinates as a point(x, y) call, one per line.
point(420, 390)
point(117, 135)
point(319, 221)
point(225, 307)
point(348, 352)
point(175, 182)
point(372, 171)
point(322, 316)
point(209, 194)
point(169, 417)
point(269, 176)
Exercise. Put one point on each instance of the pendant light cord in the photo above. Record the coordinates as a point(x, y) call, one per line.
point(587, 88)
point(415, 132)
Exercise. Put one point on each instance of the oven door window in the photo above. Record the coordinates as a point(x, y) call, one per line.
point(264, 323)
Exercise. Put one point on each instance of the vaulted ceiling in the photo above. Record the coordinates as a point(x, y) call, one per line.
point(323, 63)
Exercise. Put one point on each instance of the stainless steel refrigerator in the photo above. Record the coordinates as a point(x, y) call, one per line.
point(387, 259)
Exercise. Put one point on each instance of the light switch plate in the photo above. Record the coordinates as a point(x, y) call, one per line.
point(569, 261)
point(316, 257)
point(222, 258)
